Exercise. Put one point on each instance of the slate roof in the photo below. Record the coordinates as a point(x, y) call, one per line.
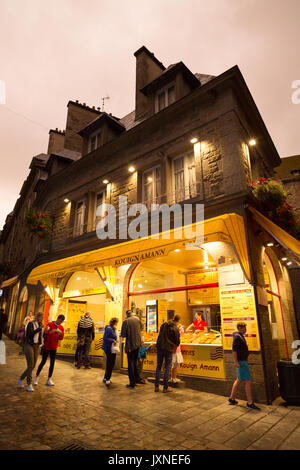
point(288, 164)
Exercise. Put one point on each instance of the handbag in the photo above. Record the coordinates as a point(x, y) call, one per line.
point(115, 348)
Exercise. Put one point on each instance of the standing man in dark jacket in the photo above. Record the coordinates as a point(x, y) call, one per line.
point(168, 339)
point(131, 330)
point(85, 336)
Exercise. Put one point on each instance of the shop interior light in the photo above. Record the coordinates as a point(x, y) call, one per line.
point(105, 181)
point(66, 200)
point(78, 278)
point(283, 259)
point(140, 286)
point(270, 244)
point(252, 142)
point(194, 140)
point(177, 250)
point(131, 169)
point(149, 179)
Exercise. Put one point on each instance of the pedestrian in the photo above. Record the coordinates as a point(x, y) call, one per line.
point(142, 355)
point(3, 321)
point(33, 339)
point(240, 356)
point(110, 347)
point(27, 319)
point(168, 339)
point(85, 336)
point(177, 354)
point(22, 330)
point(54, 332)
point(131, 330)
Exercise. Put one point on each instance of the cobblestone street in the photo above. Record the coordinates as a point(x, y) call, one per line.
point(80, 409)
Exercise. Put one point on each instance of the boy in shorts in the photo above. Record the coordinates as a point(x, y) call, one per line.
point(240, 355)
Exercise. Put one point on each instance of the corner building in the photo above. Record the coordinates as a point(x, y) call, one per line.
point(186, 142)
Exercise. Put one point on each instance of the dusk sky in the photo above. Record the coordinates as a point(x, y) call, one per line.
point(60, 50)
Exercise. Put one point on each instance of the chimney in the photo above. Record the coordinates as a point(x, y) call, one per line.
point(79, 115)
point(56, 141)
point(148, 68)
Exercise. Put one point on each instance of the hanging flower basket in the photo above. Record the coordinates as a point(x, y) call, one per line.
point(39, 223)
point(271, 197)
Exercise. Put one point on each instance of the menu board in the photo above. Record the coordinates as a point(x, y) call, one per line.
point(238, 304)
point(76, 311)
point(162, 313)
point(207, 295)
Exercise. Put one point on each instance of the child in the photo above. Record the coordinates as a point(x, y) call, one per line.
point(177, 355)
point(142, 355)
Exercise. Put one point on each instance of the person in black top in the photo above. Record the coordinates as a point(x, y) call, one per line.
point(240, 355)
point(33, 340)
point(168, 339)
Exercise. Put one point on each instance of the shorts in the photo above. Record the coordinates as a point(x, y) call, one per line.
point(243, 372)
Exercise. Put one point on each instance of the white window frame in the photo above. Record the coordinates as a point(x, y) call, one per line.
point(189, 190)
point(97, 218)
point(79, 229)
point(156, 186)
point(97, 135)
point(165, 91)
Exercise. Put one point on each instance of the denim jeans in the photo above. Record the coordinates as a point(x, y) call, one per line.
point(163, 354)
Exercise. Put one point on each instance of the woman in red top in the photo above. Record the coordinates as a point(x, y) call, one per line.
point(199, 323)
point(54, 333)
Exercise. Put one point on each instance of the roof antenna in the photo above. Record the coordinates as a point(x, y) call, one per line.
point(104, 98)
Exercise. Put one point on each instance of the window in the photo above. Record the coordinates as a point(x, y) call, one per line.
point(164, 97)
point(95, 141)
point(184, 178)
point(100, 200)
point(79, 218)
point(151, 186)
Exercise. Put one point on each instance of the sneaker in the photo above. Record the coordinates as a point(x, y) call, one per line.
point(20, 384)
point(232, 401)
point(156, 389)
point(49, 383)
point(104, 381)
point(177, 380)
point(167, 390)
point(252, 406)
point(29, 388)
point(172, 381)
point(107, 383)
point(35, 380)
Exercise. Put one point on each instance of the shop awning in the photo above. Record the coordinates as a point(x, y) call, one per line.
point(227, 228)
point(9, 282)
point(281, 236)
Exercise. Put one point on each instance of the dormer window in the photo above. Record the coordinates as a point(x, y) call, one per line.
point(164, 97)
point(95, 141)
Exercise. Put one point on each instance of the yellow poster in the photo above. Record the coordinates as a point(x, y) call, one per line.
point(238, 304)
point(200, 361)
point(69, 343)
point(76, 311)
point(207, 295)
point(162, 312)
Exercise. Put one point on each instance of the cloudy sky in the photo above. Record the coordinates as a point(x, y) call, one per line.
point(54, 51)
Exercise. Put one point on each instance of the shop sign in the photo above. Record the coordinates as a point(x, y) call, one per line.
point(143, 256)
point(238, 304)
point(198, 360)
point(69, 344)
point(79, 293)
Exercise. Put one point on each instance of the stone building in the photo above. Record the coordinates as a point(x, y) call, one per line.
point(187, 141)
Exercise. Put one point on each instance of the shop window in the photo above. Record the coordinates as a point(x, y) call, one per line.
point(184, 178)
point(94, 141)
point(79, 225)
point(164, 97)
point(152, 186)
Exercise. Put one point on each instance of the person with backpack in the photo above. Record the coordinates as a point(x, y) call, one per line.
point(168, 339)
point(54, 332)
point(32, 342)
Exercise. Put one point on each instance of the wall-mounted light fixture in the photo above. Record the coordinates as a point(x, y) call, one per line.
point(252, 142)
point(270, 244)
point(131, 169)
point(66, 200)
point(105, 181)
point(194, 140)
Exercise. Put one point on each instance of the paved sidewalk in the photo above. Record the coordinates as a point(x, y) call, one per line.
point(80, 409)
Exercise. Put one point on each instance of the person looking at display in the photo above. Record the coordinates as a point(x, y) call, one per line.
point(240, 356)
point(168, 340)
point(110, 341)
point(177, 355)
point(199, 324)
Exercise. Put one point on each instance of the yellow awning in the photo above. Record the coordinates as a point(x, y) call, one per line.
point(227, 228)
point(281, 236)
point(9, 282)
